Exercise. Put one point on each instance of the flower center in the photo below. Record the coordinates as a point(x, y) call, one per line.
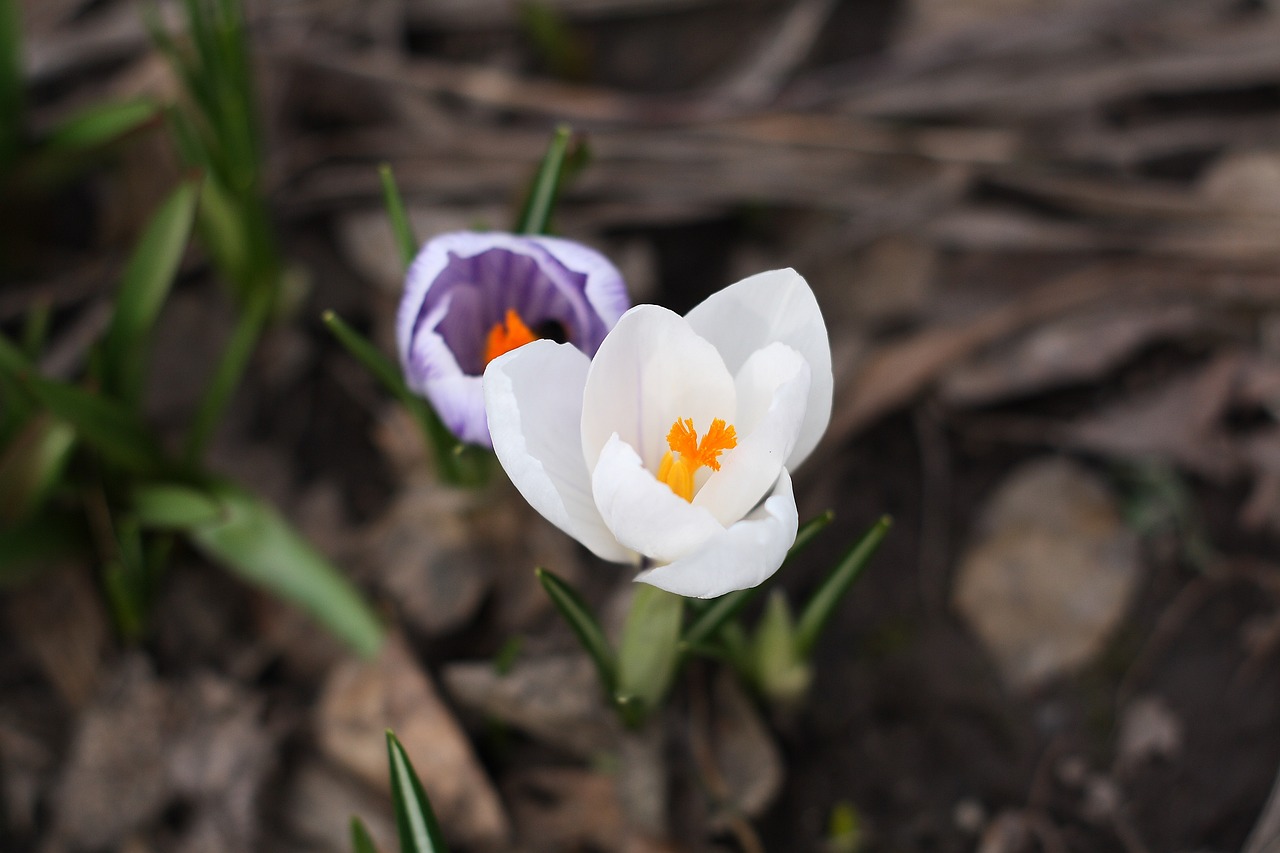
point(507, 334)
point(677, 470)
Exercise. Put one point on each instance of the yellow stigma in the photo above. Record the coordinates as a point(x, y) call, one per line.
point(506, 335)
point(677, 470)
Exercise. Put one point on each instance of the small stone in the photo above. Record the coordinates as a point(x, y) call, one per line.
point(564, 808)
point(321, 802)
point(1148, 730)
point(1246, 182)
point(1050, 572)
point(423, 554)
point(363, 699)
point(553, 699)
point(969, 816)
point(115, 779)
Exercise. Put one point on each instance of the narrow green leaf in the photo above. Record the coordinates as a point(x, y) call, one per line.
point(588, 631)
point(36, 544)
point(250, 538)
point(823, 603)
point(126, 579)
point(649, 653)
point(415, 821)
point(12, 113)
point(143, 289)
point(227, 375)
point(780, 672)
point(361, 840)
point(712, 618)
point(456, 463)
point(100, 124)
point(35, 328)
point(31, 466)
point(535, 214)
point(175, 506)
point(401, 228)
point(106, 425)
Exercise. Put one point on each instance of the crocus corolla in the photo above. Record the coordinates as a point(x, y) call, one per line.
point(672, 447)
point(471, 296)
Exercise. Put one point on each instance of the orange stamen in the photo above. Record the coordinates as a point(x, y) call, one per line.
point(506, 335)
point(677, 471)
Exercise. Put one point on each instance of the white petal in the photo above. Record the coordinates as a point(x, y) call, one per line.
point(772, 388)
point(533, 396)
point(741, 557)
point(651, 370)
point(767, 307)
point(643, 513)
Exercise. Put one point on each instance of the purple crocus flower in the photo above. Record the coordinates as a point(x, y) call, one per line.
point(471, 296)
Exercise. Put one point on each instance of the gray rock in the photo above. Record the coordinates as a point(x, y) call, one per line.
point(1050, 571)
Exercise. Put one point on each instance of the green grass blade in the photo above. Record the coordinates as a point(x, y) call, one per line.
point(457, 463)
point(709, 622)
point(361, 840)
point(401, 228)
point(415, 821)
point(143, 290)
point(32, 465)
point(250, 538)
point(102, 423)
point(99, 125)
point(227, 375)
point(535, 214)
point(175, 506)
point(35, 328)
point(12, 113)
point(823, 603)
point(588, 631)
point(649, 654)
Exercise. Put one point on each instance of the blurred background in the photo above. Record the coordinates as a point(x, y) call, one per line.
point(1045, 235)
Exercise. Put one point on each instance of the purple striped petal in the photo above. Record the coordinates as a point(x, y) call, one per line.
point(462, 284)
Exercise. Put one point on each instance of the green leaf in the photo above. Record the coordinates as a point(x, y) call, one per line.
point(100, 124)
point(126, 579)
point(588, 631)
point(709, 622)
point(416, 822)
point(535, 214)
point(227, 375)
point(38, 543)
point(143, 289)
point(35, 328)
point(247, 536)
point(104, 424)
point(11, 83)
point(31, 466)
point(456, 463)
point(823, 603)
point(176, 506)
point(361, 841)
point(781, 673)
point(401, 228)
point(649, 653)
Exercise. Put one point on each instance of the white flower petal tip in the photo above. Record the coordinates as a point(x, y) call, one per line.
point(674, 443)
point(471, 296)
point(775, 306)
point(743, 556)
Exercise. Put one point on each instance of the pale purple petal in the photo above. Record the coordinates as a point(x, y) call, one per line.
point(462, 284)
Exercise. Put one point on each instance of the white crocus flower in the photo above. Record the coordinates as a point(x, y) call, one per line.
point(672, 447)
